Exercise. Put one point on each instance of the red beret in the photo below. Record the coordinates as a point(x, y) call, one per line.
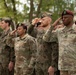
point(67, 12)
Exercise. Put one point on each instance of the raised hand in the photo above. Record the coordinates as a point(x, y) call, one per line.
point(56, 22)
point(13, 32)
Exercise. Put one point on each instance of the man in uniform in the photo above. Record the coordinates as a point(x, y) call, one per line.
point(53, 69)
point(0, 26)
point(6, 52)
point(66, 38)
point(44, 50)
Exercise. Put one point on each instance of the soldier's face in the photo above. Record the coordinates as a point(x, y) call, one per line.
point(4, 25)
point(20, 30)
point(45, 21)
point(67, 19)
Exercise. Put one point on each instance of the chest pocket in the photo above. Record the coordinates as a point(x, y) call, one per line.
point(72, 37)
point(21, 45)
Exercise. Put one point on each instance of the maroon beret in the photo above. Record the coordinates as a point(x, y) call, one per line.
point(67, 12)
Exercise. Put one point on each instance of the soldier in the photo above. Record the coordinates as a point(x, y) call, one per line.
point(6, 52)
point(1, 30)
point(55, 53)
point(25, 49)
point(66, 38)
point(44, 49)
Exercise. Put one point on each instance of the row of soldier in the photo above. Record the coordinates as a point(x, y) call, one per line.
point(28, 50)
point(39, 53)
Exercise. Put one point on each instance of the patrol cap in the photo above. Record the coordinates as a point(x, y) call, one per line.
point(67, 12)
point(45, 14)
point(22, 24)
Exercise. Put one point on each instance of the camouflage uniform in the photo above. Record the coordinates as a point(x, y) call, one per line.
point(44, 51)
point(6, 54)
point(67, 46)
point(25, 49)
point(55, 53)
point(1, 31)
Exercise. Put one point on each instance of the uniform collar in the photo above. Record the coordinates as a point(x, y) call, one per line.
point(23, 37)
point(70, 28)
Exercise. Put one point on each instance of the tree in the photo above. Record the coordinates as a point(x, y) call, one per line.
point(32, 8)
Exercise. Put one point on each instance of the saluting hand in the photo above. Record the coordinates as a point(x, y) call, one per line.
point(56, 22)
point(35, 21)
point(13, 32)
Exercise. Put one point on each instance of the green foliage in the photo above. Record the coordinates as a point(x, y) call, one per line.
point(7, 8)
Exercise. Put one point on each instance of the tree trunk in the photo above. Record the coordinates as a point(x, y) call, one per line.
point(15, 13)
point(39, 6)
point(5, 4)
point(31, 11)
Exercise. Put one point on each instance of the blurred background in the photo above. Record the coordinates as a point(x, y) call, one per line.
point(26, 10)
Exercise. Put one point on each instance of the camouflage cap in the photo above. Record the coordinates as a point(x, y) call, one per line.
point(46, 14)
point(7, 18)
point(67, 12)
point(22, 24)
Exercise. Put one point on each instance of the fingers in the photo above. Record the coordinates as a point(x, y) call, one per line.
point(13, 32)
point(57, 21)
point(35, 21)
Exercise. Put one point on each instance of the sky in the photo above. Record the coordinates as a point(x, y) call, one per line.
point(20, 7)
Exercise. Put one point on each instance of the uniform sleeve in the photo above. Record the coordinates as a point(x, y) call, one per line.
point(33, 48)
point(12, 54)
point(10, 43)
point(10, 40)
point(50, 36)
point(32, 31)
point(55, 52)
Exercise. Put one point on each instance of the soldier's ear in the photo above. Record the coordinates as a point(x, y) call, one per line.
point(7, 24)
point(49, 20)
point(25, 30)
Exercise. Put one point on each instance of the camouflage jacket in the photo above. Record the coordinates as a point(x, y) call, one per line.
point(66, 38)
point(6, 52)
point(46, 51)
point(25, 50)
point(1, 31)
